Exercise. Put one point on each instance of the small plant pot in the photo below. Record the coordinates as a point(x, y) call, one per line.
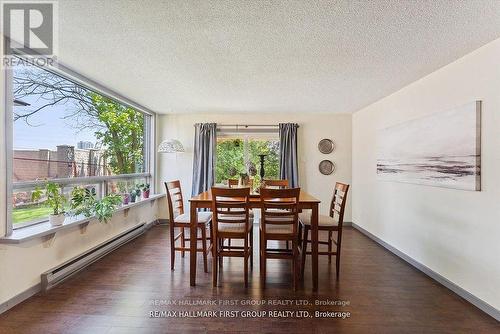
point(132, 198)
point(126, 199)
point(145, 194)
point(56, 220)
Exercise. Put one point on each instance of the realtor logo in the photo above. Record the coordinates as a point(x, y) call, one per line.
point(29, 28)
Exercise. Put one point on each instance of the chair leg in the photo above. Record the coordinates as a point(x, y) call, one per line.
point(287, 245)
point(215, 251)
point(304, 249)
point(330, 235)
point(251, 248)
point(183, 241)
point(221, 243)
point(337, 256)
point(172, 246)
point(211, 230)
point(204, 246)
point(299, 237)
point(295, 264)
point(262, 260)
point(229, 244)
point(245, 260)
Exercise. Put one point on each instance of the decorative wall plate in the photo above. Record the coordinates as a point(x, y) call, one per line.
point(326, 167)
point(326, 146)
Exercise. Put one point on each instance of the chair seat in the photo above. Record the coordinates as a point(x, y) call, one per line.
point(232, 227)
point(279, 229)
point(323, 220)
point(185, 218)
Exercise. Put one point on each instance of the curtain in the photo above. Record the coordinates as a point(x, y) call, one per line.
point(205, 144)
point(288, 153)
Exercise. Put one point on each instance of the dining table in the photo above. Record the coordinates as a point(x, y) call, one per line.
point(204, 200)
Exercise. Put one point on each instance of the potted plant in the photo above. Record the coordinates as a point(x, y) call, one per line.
point(134, 194)
point(83, 200)
point(122, 187)
point(145, 190)
point(56, 200)
point(104, 208)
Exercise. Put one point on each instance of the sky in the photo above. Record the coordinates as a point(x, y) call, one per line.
point(47, 128)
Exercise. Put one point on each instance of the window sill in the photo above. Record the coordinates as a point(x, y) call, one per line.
point(45, 229)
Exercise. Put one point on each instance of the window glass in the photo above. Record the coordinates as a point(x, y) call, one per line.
point(241, 155)
point(62, 130)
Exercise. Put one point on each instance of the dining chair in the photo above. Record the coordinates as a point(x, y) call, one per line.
point(275, 184)
point(179, 219)
point(279, 222)
point(231, 220)
point(331, 223)
point(233, 183)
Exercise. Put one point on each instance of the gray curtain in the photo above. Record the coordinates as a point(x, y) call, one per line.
point(288, 153)
point(205, 141)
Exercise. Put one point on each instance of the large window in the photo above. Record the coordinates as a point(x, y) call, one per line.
point(240, 154)
point(72, 135)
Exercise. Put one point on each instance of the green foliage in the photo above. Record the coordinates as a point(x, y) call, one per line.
point(144, 186)
point(105, 208)
point(36, 194)
point(83, 201)
point(122, 136)
point(55, 199)
point(230, 158)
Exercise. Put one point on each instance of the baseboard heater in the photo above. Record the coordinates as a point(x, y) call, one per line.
point(58, 274)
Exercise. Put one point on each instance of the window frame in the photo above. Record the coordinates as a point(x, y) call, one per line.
point(78, 79)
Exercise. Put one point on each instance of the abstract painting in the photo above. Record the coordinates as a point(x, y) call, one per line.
point(443, 150)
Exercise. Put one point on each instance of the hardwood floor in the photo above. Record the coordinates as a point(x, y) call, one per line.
point(117, 293)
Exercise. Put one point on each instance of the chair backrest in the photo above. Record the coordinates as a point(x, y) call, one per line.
point(279, 207)
point(280, 184)
point(230, 205)
point(339, 200)
point(174, 198)
point(235, 183)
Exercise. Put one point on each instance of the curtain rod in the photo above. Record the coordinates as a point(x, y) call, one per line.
point(248, 125)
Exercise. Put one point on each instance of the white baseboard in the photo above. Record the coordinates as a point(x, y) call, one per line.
point(19, 298)
point(479, 303)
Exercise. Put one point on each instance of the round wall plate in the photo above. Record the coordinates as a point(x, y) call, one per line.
point(326, 146)
point(326, 167)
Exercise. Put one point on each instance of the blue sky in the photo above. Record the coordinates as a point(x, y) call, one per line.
point(48, 128)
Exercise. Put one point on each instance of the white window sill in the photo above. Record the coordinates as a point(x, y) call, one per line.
point(45, 229)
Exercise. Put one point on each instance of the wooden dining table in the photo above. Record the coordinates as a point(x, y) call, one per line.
point(204, 200)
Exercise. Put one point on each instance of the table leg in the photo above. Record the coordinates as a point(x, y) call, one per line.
point(314, 245)
point(193, 236)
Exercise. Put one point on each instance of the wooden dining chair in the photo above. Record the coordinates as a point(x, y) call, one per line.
point(231, 220)
point(181, 220)
point(281, 184)
point(233, 183)
point(276, 184)
point(279, 221)
point(331, 223)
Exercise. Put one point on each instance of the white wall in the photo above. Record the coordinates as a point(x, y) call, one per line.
point(455, 233)
point(313, 128)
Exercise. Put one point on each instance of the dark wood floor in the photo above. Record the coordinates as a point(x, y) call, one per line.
point(115, 295)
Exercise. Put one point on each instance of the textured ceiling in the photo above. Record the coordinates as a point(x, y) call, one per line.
point(267, 56)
